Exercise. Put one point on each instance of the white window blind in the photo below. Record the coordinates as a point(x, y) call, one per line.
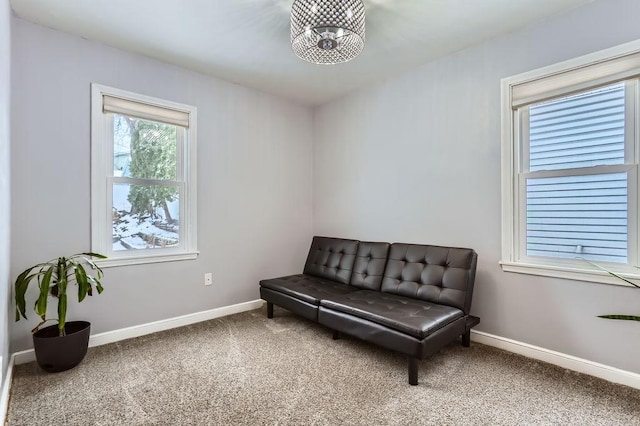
point(576, 79)
point(146, 111)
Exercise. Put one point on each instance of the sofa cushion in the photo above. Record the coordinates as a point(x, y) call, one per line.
point(443, 275)
point(369, 265)
point(306, 287)
point(331, 258)
point(414, 317)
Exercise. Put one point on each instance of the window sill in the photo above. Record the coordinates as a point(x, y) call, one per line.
point(140, 260)
point(567, 272)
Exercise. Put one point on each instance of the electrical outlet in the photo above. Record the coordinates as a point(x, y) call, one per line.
point(208, 278)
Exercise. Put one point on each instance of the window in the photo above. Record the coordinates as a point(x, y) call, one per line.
point(143, 182)
point(570, 167)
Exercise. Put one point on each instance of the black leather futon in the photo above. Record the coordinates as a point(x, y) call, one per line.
point(409, 298)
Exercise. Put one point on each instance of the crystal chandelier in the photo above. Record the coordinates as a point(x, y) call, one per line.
point(327, 31)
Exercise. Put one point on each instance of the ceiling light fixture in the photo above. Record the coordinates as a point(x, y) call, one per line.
point(327, 31)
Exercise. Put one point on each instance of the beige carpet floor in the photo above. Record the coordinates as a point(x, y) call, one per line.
point(247, 370)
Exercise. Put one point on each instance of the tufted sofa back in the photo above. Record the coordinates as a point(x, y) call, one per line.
point(331, 258)
point(443, 275)
point(369, 265)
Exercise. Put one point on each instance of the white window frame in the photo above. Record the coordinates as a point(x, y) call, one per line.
point(102, 181)
point(589, 71)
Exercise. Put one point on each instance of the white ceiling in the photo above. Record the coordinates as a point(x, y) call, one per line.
point(247, 41)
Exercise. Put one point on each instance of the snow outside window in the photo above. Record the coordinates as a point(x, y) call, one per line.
point(143, 178)
point(570, 168)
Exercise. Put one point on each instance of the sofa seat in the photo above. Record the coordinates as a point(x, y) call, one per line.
point(416, 318)
point(307, 288)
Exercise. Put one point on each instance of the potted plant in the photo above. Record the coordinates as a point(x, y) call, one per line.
point(62, 346)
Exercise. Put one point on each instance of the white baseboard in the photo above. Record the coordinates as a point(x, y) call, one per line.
point(29, 355)
point(569, 362)
point(4, 393)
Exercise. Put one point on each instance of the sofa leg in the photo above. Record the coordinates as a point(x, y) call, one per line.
point(466, 338)
point(413, 371)
point(336, 334)
point(269, 310)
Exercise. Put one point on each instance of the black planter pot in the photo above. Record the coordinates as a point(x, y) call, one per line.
point(55, 353)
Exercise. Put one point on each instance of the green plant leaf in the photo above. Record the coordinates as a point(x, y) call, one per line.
point(621, 317)
point(98, 255)
point(86, 257)
point(96, 282)
point(20, 289)
point(613, 274)
point(41, 303)
point(99, 273)
point(21, 286)
point(83, 284)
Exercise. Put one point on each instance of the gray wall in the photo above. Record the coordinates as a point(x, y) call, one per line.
point(5, 202)
point(254, 179)
point(417, 159)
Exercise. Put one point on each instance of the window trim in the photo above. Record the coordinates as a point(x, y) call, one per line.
point(102, 179)
point(510, 155)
